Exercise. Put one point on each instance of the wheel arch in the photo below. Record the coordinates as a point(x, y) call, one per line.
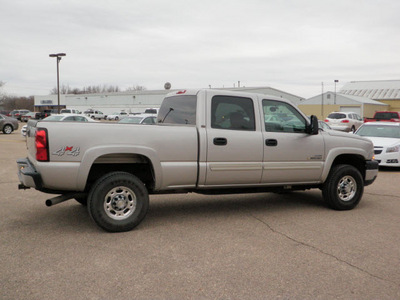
point(355, 160)
point(142, 163)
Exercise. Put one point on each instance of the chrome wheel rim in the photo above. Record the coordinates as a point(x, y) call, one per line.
point(120, 203)
point(7, 129)
point(347, 188)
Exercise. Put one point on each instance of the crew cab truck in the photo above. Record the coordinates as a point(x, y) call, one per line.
point(205, 141)
point(384, 116)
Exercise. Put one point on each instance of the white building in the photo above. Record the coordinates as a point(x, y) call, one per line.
point(133, 102)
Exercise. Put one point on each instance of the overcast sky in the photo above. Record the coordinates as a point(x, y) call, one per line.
point(291, 45)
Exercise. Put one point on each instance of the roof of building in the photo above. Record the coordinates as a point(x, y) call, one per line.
point(377, 89)
point(329, 99)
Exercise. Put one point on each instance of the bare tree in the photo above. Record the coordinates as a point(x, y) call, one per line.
point(136, 88)
point(13, 102)
point(95, 89)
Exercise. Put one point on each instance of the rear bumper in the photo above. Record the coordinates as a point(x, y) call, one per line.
point(371, 171)
point(27, 174)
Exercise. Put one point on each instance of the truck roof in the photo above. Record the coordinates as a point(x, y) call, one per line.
point(225, 92)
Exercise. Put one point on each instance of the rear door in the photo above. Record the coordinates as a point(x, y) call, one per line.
point(234, 140)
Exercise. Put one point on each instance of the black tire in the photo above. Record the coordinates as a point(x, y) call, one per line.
point(343, 188)
point(353, 129)
point(118, 202)
point(7, 129)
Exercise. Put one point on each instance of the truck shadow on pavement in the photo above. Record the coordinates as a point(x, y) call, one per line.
point(197, 207)
point(183, 209)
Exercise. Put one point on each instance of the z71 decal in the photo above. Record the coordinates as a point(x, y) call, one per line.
point(74, 151)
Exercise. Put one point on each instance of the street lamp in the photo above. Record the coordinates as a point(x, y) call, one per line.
point(58, 55)
point(336, 81)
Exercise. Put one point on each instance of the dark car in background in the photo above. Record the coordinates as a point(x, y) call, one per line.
point(18, 113)
point(28, 116)
point(8, 124)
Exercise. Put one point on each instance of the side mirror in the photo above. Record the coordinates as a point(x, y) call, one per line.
point(313, 127)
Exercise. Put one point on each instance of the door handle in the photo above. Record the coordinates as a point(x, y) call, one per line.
point(271, 142)
point(219, 141)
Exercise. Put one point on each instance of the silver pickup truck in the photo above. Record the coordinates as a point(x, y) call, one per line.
point(205, 141)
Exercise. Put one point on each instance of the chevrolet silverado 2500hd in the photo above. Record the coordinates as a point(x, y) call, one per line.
point(205, 141)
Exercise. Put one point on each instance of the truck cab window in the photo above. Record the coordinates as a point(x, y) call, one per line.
point(234, 113)
point(178, 110)
point(281, 117)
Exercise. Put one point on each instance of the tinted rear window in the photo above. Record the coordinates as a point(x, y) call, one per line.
point(178, 110)
point(337, 116)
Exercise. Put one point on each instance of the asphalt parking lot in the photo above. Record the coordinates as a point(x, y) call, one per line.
point(252, 246)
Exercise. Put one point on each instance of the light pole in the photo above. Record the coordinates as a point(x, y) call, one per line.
point(58, 55)
point(336, 81)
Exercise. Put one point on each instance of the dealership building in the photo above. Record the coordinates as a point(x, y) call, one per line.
point(133, 101)
point(362, 97)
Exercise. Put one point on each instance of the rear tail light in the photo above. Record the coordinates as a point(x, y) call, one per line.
point(42, 146)
point(345, 121)
point(326, 120)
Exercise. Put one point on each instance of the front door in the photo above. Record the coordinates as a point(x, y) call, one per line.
point(290, 154)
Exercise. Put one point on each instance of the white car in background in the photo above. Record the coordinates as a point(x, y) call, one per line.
point(117, 116)
point(62, 118)
point(344, 121)
point(386, 139)
point(139, 119)
point(68, 118)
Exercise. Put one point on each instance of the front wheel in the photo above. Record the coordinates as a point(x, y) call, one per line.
point(7, 129)
point(118, 202)
point(343, 188)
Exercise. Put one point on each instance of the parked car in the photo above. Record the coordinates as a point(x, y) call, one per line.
point(23, 130)
point(386, 139)
point(5, 112)
point(139, 119)
point(344, 121)
point(117, 116)
point(8, 124)
point(61, 118)
point(18, 113)
point(69, 111)
point(95, 114)
point(68, 118)
point(28, 116)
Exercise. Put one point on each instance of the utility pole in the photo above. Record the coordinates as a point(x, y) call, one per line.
point(58, 55)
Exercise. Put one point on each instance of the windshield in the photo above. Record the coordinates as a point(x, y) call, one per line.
point(379, 131)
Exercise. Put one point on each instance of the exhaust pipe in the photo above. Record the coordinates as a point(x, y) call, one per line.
point(59, 199)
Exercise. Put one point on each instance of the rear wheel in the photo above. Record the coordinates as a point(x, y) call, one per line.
point(343, 188)
point(7, 129)
point(118, 201)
